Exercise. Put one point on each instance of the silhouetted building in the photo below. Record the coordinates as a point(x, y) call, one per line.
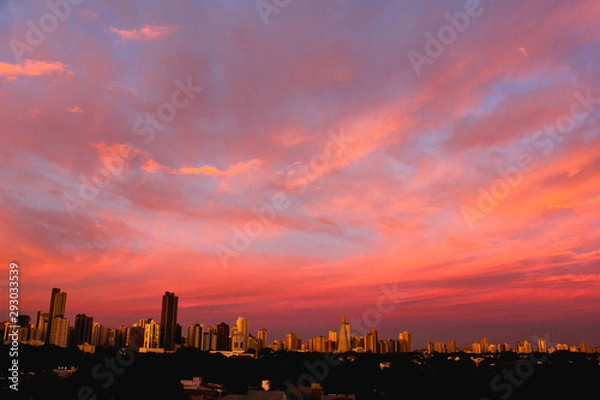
point(168, 321)
point(195, 337)
point(23, 320)
point(210, 339)
point(223, 336)
point(82, 332)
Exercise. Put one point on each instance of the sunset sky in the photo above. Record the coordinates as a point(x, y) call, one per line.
point(141, 139)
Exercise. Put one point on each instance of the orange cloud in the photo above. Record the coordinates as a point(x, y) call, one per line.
point(150, 165)
point(75, 109)
point(523, 51)
point(148, 32)
point(236, 169)
point(32, 68)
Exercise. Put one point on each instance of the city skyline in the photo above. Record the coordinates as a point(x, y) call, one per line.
point(295, 163)
point(226, 339)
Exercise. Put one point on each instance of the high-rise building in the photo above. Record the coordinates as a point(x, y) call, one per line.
point(152, 334)
point(60, 331)
point(23, 320)
point(440, 347)
point(237, 340)
point(122, 337)
point(389, 346)
point(195, 336)
point(584, 347)
point(83, 329)
point(41, 324)
point(168, 321)
point(317, 344)
point(262, 338)
point(242, 327)
point(320, 344)
point(332, 341)
point(58, 301)
point(111, 338)
point(99, 335)
point(405, 345)
point(452, 348)
point(484, 344)
point(292, 342)
point(210, 339)
point(562, 346)
point(277, 345)
point(503, 347)
point(344, 338)
point(254, 344)
point(542, 345)
point(223, 337)
point(372, 341)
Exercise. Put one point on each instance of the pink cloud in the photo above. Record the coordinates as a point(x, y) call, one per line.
point(386, 210)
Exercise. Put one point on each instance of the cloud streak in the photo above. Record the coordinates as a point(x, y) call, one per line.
point(147, 33)
point(33, 68)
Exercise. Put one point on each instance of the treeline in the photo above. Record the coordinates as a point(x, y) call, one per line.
point(123, 374)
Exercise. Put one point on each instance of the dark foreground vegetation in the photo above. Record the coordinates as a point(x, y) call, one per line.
point(113, 374)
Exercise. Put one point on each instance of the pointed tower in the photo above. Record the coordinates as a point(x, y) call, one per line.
point(344, 339)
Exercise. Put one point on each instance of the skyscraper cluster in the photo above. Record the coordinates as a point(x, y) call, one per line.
point(149, 335)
